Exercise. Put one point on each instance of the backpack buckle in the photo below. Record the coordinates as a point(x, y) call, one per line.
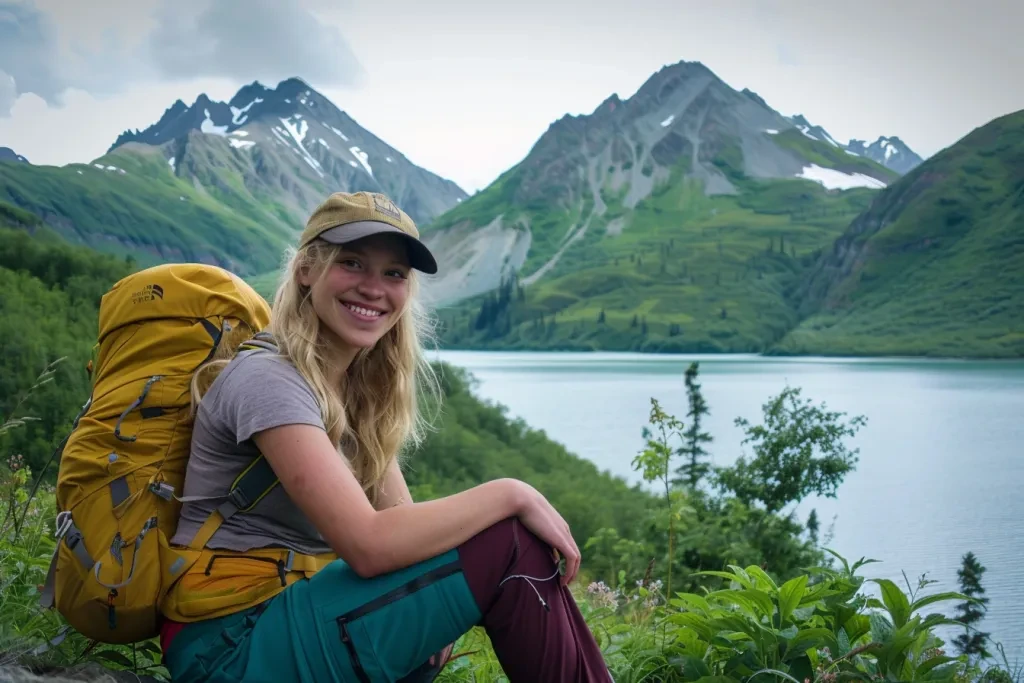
point(239, 499)
point(163, 489)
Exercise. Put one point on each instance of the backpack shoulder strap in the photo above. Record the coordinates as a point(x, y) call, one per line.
point(249, 487)
point(260, 340)
point(255, 481)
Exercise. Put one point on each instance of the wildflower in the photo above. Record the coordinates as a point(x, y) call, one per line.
point(603, 595)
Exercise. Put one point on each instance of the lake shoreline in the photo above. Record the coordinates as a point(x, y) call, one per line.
point(760, 355)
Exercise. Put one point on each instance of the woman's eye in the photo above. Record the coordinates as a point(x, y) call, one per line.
point(398, 273)
point(349, 262)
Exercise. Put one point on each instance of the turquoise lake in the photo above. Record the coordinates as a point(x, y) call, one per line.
point(941, 462)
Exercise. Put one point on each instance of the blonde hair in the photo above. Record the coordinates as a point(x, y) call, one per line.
point(378, 411)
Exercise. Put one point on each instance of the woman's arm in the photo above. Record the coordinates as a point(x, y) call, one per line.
point(394, 490)
point(375, 542)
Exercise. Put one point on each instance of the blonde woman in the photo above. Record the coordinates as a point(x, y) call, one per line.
point(329, 407)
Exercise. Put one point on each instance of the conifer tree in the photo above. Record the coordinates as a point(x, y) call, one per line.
point(972, 641)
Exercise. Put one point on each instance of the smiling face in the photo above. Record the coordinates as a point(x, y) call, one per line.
point(363, 292)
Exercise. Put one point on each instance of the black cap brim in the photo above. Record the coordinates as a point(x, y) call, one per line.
point(420, 257)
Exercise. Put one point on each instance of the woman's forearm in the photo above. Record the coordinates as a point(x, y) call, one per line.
point(405, 534)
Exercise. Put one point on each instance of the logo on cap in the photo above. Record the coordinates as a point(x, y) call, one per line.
point(386, 206)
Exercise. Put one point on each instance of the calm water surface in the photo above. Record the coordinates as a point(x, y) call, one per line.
point(941, 467)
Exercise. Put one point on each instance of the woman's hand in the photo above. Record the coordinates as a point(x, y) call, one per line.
point(540, 517)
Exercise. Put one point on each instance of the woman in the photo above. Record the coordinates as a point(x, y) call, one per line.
point(330, 410)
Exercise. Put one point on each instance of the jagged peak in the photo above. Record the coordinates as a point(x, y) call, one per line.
point(754, 96)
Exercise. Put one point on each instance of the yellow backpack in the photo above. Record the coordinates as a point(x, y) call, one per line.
point(123, 464)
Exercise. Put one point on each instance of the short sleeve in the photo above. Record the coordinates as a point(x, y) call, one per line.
point(260, 391)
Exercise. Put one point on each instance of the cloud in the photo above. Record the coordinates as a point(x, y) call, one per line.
point(250, 39)
point(28, 55)
point(49, 46)
point(8, 93)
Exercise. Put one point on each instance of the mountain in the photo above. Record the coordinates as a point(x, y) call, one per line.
point(676, 219)
point(813, 132)
point(322, 147)
point(890, 152)
point(224, 183)
point(934, 266)
point(8, 154)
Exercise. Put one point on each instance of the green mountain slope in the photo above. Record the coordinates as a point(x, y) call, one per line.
point(935, 266)
point(145, 211)
point(676, 220)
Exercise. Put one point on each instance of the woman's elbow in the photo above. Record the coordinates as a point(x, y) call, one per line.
point(361, 554)
point(364, 566)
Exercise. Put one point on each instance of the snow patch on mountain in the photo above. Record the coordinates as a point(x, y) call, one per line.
point(363, 158)
point(209, 127)
point(236, 112)
point(837, 180)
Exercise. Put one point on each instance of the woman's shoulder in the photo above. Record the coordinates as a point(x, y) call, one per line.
point(263, 371)
point(258, 390)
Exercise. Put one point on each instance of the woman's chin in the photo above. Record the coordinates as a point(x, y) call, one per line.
point(360, 339)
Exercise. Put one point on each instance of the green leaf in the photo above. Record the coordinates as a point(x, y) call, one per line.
point(881, 628)
point(938, 597)
point(739, 599)
point(860, 563)
point(789, 596)
point(725, 575)
point(761, 600)
point(691, 600)
point(809, 638)
point(694, 668)
point(846, 565)
point(114, 657)
point(717, 679)
point(895, 601)
point(761, 575)
point(896, 650)
point(929, 664)
point(694, 622)
point(843, 641)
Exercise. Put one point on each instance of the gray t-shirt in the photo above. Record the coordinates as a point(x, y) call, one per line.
point(257, 390)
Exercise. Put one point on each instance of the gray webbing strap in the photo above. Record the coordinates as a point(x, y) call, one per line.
point(70, 535)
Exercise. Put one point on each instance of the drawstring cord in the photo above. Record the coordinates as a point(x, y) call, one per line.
point(530, 580)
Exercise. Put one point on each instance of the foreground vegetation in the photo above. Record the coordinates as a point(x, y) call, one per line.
point(705, 578)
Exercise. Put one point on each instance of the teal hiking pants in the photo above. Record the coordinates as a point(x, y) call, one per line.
point(376, 629)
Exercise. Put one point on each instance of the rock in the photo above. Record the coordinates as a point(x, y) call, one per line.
point(89, 671)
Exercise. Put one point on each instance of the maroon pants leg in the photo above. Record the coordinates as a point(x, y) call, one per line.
point(534, 644)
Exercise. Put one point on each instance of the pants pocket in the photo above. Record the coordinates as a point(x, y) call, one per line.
point(395, 632)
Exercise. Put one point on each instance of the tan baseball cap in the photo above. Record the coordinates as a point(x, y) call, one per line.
point(345, 217)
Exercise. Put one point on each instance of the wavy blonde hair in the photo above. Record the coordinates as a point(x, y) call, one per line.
point(379, 409)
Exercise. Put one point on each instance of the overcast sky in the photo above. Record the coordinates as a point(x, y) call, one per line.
point(465, 87)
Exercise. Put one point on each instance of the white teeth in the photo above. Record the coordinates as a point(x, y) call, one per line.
point(363, 311)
